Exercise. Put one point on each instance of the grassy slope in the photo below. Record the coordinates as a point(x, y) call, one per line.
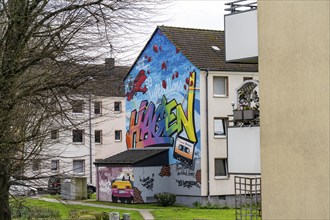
point(65, 209)
point(190, 213)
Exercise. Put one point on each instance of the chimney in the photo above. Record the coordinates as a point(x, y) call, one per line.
point(110, 65)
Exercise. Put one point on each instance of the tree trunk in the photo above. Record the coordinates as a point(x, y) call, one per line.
point(5, 213)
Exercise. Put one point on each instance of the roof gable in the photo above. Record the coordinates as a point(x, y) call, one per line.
point(201, 46)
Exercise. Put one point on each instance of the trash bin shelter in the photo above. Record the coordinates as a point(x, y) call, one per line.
point(74, 188)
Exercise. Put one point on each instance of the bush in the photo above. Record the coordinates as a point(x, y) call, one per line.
point(197, 204)
point(165, 199)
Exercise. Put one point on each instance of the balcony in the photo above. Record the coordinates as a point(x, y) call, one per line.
point(241, 32)
point(244, 131)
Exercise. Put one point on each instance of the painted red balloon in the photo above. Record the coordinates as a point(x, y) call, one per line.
point(176, 74)
point(185, 87)
point(190, 73)
point(173, 76)
point(164, 67)
point(155, 47)
point(191, 83)
point(164, 84)
point(149, 59)
point(187, 81)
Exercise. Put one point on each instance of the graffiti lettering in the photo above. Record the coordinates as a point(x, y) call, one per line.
point(187, 184)
point(148, 182)
point(183, 169)
point(154, 127)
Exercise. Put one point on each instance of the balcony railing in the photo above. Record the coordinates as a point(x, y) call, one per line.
point(241, 6)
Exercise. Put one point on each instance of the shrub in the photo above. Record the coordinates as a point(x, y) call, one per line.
point(165, 199)
point(197, 204)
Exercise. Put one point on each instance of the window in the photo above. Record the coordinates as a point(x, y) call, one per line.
point(36, 164)
point(247, 78)
point(98, 136)
point(78, 166)
point(77, 106)
point(118, 135)
point(78, 136)
point(219, 127)
point(220, 86)
point(54, 134)
point(97, 108)
point(54, 165)
point(117, 106)
point(220, 167)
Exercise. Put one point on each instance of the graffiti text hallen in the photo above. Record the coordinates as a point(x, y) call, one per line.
point(154, 127)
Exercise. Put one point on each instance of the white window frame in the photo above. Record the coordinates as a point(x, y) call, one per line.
point(36, 165)
point(225, 94)
point(100, 136)
point(100, 108)
point(120, 134)
point(82, 136)
point(82, 167)
point(54, 165)
point(75, 103)
point(218, 174)
point(120, 106)
point(54, 134)
point(224, 127)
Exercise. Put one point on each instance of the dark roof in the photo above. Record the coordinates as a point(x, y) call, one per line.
point(196, 45)
point(133, 156)
point(105, 80)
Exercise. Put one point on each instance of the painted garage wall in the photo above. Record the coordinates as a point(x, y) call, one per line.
point(163, 110)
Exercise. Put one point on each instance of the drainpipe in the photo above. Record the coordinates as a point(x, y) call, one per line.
point(90, 139)
point(207, 135)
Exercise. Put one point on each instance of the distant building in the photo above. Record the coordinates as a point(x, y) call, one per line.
point(97, 112)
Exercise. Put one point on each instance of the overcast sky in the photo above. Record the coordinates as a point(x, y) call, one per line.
point(196, 14)
point(203, 14)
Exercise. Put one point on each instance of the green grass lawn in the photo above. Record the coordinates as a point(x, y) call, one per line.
point(159, 212)
point(193, 213)
point(65, 209)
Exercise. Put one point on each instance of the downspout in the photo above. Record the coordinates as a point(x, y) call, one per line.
point(207, 135)
point(90, 139)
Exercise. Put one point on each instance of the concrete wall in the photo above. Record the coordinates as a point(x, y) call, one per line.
point(294, 88)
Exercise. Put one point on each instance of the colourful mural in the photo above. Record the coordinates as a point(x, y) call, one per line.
point(163, 102)
point(116, 184)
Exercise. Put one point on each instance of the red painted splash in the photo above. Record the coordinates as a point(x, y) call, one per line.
point(164, 67)
point(187, 81)
point(164, 84)
point(155, 48)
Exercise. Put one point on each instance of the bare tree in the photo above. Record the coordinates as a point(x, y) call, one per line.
point(45, 49)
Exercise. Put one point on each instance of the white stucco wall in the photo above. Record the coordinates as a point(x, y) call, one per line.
point(218, 107)
point(66, 151)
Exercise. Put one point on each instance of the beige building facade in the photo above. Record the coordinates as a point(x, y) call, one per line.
point(294, 74)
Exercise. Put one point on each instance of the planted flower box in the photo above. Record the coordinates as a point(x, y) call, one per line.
point(250, 114)
point(238, 115)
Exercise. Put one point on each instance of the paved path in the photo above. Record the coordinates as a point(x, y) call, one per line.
point(144, 212)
